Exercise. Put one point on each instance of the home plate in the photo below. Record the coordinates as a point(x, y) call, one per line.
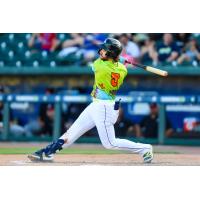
point(19, 162)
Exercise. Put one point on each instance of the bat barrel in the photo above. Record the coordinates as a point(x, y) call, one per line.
point(151, 69)
point(156, 71)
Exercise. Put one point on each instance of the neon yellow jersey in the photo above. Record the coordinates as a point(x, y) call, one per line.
point(109, 76)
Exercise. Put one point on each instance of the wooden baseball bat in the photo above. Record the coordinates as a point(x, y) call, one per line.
point(151, 69)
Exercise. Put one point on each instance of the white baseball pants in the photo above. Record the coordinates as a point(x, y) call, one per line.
point(102, 115)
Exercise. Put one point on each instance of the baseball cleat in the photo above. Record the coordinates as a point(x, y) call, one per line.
point(148, 156)
point(46, 154)
point(40, 157)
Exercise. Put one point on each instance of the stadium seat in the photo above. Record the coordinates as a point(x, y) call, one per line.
point(10, 58)
point(28, 36)
point(53, 63)
point(35, 63)
point(44, 55)
point(14, 51)
point(11, 40)
point(18, 63)
point(2, 63)
point(26, 58)
point(63, 36)
point(3, 48)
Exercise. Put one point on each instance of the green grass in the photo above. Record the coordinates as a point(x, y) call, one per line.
point(28, 150)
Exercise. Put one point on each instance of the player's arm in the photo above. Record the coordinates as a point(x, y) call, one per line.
point(122, 59)
point(145, 67)
point(94, 66)
point(125, 61)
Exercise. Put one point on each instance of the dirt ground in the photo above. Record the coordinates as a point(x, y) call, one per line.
point(164, 156)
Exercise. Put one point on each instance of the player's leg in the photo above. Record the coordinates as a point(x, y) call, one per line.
point(107, 116)
point(83, 123)
point(107, 137)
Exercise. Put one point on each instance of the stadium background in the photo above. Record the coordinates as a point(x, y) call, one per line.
point(60, 64)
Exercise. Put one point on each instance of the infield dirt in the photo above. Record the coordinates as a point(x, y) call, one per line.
point(164, 156)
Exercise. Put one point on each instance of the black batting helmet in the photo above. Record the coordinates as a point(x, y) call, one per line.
point(112, 46)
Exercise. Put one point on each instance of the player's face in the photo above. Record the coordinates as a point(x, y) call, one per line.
point(102, 54)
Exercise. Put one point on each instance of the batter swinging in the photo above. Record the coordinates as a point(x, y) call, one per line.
point(103, 111)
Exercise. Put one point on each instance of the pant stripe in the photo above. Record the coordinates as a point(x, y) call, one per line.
point(109, 138)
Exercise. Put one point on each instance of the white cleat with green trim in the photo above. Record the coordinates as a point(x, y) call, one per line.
point(148, 156)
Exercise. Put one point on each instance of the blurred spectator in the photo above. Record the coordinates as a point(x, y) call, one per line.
point(76, 40)
point(124, 127)
point(84, 46)
point(155, 36)
point(140, 37)
point(167, 51)
point(44, 124)
point(72, 113)
point(90, 47)
point(15, 129)
point(191, 54)
point(69, 48)
point(182, 39)
point(131, 49)
point(148, 127)
point(46, 118)
point(81, 48)
point(148, 51)
point(43, 41)
point(71, 45)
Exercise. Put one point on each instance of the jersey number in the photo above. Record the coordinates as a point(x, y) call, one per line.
point(114, 79)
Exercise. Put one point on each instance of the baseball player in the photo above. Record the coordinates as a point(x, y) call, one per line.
point(103, 111)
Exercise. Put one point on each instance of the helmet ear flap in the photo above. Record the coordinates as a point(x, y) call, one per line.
point(108, 54)
point(99, 50)
point(111, 55)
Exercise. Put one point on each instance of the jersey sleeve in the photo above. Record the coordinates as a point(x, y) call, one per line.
point(96, 65)
point(92, 67)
